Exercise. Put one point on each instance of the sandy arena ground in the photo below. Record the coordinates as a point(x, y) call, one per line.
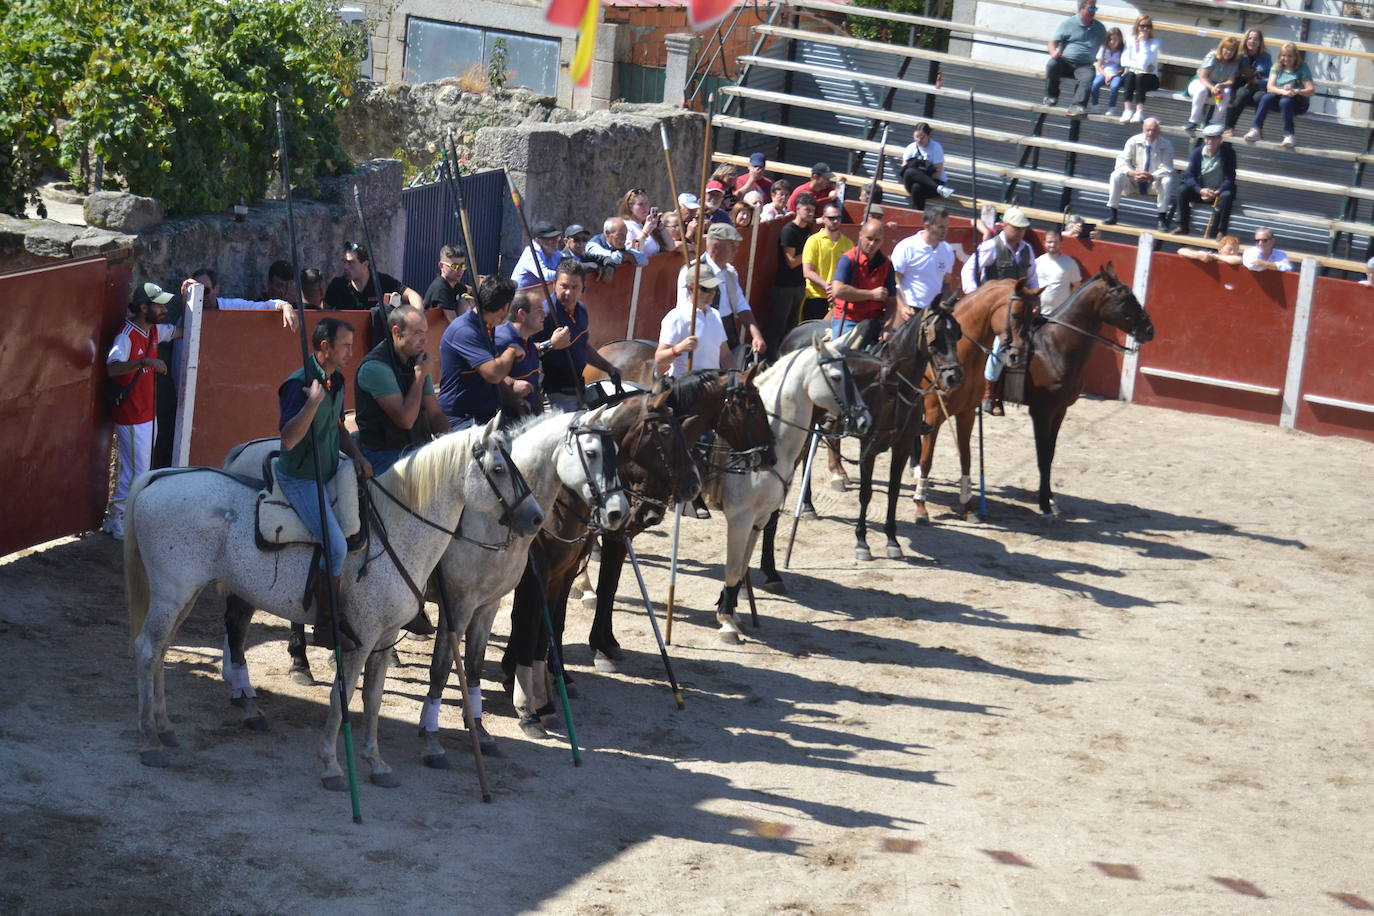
point(1162, 704)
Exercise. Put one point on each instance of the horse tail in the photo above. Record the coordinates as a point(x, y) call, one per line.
point(135, 575)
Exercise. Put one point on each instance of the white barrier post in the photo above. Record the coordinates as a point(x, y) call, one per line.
point(187, 369)
point(634, 303)
point(1130, 364)
point(1297, 347)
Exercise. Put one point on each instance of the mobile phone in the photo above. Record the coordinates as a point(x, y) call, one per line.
point(653, 211)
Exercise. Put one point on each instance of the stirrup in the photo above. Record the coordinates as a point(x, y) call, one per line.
point(993, 407)
point(419, 625)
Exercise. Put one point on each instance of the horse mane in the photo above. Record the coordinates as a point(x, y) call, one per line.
point(417, 478)
point(687, 389)
point(781, 367)
point(525, 424)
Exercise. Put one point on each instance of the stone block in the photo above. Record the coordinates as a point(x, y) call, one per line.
point(47, 239)
point(122, 212)
point(94, 242)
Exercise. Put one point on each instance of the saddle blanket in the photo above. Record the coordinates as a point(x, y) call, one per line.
point(278, 522)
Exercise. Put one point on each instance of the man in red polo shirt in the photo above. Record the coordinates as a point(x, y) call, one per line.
point(864, 283)
point(131, 364)
point(821, 186)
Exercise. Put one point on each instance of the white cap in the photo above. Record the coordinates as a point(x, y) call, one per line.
point(688, 201)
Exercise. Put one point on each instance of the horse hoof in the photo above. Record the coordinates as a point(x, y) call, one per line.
point(384, 780)
point(862, 553)
point(922, 516)
point(895, 553)
point(604, 663)
point(730, 636)
point(301, 676)
point(154, 758)
point(435, 761)
point(838, 483)
point(808, 514)
point(334, 783)
point(168, 738)
point(589, 600)
point(238, 702)
point(533, 728)
point(774, 587)
point(256, 724)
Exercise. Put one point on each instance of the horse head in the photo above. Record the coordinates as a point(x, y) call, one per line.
point(504, 489)
point(940, 336)
point(1020, 309)
point(1120, 308)
point(654, 457)
point(832, 387)
point(743, 422)
point(587, 463)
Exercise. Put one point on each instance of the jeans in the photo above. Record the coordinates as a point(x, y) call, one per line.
point(1187, 197)
point(1114, 86)
point(1291, 106)
point(383, 460)
point(993, 370)
point(920, 184)
point(1058, 68)
point(1244, 96)
point(304, 499)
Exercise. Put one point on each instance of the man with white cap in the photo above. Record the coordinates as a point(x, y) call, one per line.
point(1209, 179)
point(676, 337)
point(1007, 255)
point(722, 243)
point(131, 364)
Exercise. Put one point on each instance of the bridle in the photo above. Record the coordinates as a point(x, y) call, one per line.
point(735, 460)
point(1116, 292)
point(608, 460)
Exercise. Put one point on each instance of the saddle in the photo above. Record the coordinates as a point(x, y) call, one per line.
point(603, 391)
point(279, 525)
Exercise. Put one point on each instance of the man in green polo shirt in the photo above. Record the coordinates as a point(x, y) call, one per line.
point(312, 419)
point(397, 408)
point(1073, 49)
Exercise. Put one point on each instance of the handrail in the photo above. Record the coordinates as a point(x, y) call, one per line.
point(702, 69)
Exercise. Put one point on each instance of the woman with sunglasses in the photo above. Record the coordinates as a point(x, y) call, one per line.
point(1290, 90)
point(1140, 69)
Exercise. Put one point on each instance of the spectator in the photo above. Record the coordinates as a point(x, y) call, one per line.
point(687, 214)
point(355, 289)
point(448, 289)
point(924, 263)
point(1108, 67)
point(131, 364)
point(1058, 274)
point(1145, 162)
point(671, 223)
point(820, 186)
point(1140, 69)
point(575, 238)
point(612, 245)
point(1368, 273)
point(1006, 255)
point(865, 285)
point(529, 275)
point(1074, 227)
point(312, 289)
point(737, 315)
point(563, 373)
point(675, 335)
point(1290, 89)
point(820, 255)
point(754, 179)
point(741, 215)
point(725, 175)
point(923, 167)
point(1255, 64)
point(777, 205)
point(1216, 80)
point(526, 376)
point(789, 285)
point(715, 203)
point(470, 365)
point(278, 282)
point(1210, 179)
point(397, 409)
point(1228, 252)
point(1073, 49)
point(210, 280)
point(1264, 256)
point(641, 222)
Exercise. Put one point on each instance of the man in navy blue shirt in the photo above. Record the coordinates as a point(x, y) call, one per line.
point(470, 363)
point(526, 320)
point(564, 361)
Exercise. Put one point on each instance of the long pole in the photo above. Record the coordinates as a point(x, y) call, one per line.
point(372, 268)
point(468, 718)
point(672, 568)
point(701, 216)
point(462, 208)
point(554, 656)
point(877, 174)
point(338, 687)
point(801, 494)
point(543, 282)
point(452, 183)
point(634, 303)
point(653, 621)
point(672, 187)
point(977, 276)
point(753, 248)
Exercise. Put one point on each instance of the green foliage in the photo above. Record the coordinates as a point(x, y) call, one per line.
point(177, 96)
point(899, 33)
point(497, 66)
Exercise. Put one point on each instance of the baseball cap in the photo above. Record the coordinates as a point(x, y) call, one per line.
point(689, 201)
point(724, 232)
point(575, 230)
point(823, 170)
point(150, 292)
point(714, 186)
point(1213, 130)
point(708, 278)
point(1016, 217)
point(545, 230)
point(758, 160)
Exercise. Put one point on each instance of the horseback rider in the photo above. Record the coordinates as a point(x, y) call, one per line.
point(1007, 255)
point(312, 418)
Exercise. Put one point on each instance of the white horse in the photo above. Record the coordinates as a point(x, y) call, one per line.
point(791, 389)
point(186, 528)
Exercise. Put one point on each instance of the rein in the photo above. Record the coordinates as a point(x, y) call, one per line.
point(1110, 344)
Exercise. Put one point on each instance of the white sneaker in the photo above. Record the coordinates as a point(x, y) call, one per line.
point(1126, 115)
point(945, 190)
point(113, 526)
point(1137, 116)
point(1111, 111)
point(1252, 136)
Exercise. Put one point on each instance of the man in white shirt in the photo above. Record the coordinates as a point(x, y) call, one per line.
point(676, 337)
point(722, 242)
point(924, 263)
point(1058, 272)
point(213, 300)
point(1145, 162)
point(1264, 256)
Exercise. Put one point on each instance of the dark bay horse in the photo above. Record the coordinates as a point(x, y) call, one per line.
point(1059, 346)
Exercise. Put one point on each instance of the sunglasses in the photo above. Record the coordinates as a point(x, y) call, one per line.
point(453, 266)
point(835, 218)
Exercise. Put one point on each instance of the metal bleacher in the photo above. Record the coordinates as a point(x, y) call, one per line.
point(811, 92)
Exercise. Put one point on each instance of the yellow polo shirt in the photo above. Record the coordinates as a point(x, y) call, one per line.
point(823, 255)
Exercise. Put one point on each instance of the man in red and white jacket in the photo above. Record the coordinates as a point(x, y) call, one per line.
point(132, 363)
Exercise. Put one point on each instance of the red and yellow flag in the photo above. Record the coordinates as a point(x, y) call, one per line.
point(583, 15)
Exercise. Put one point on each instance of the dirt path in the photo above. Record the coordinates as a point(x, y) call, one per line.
point(1170, 687)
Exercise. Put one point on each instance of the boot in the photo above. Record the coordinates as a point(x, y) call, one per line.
point(324, 624)
point(419, 624)
point(1162, 219)
point(992, 398)
point(1111, 217)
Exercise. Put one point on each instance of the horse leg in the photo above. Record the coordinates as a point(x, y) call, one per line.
point(838, 478)
point(772, 581)
point(896, 462)
point(583, 586)
point(1046, 427)
point(440, 663)
point(605, 649)
point(739, 546)
point(238, 614)
point(332, 776)
point(374, 679)
point(861, 551)
point(150, 648)
point(474, 654)
point(300, 665)
point(923, 471)
point(964, 428)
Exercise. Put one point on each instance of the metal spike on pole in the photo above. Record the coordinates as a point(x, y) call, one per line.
point(338, 687)
point(653, 621)
point(453, 183)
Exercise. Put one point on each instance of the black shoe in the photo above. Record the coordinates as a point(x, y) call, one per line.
point(1111, 217)
point(420, 625)
point(1163, 222)
point(1076, 112)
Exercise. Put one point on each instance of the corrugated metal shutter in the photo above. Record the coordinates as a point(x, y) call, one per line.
point(431, 224)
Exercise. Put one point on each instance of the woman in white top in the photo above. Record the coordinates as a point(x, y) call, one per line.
point(1216, 79)
point(1140, 69)
point(645, 234)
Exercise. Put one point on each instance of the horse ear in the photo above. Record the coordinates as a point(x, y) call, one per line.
point(658, 398)
point(1034, 293)
point(1108, 271)
point(492, 426)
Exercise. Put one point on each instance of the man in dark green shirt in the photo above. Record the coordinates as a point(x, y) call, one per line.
point(312, 418)
point(1073, 49)
point(397, 408)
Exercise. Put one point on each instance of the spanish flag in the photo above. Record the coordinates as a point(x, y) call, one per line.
point(582, 15)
